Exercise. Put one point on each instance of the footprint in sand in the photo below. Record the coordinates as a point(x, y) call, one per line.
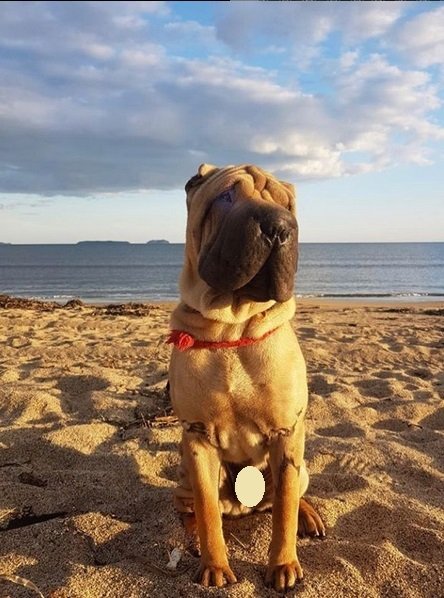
point(342, 430)
point(348, 473)
point(435, 421)
point(422, 395)
point(375, 387)
point(391, 425)
point(306, 332)
point(319, 384)
point(82, 384)
point(77, 392)
point(377, 522)
point(421, 373)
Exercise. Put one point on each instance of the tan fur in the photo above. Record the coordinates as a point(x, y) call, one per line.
point(238, 406)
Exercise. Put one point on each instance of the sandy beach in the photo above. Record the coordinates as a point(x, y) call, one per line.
point(88, 453)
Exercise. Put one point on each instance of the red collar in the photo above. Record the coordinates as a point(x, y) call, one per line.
point(183, 341)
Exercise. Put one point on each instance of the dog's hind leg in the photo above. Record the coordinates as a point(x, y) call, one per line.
point(184, 505)
point(192, 535)
point(309, 522)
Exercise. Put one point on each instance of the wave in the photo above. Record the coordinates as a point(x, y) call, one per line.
point(169, 295)
point(359, 265)
point(368, 295)
point(91, 266)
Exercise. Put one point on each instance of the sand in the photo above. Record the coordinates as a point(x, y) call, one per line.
point(88, 450)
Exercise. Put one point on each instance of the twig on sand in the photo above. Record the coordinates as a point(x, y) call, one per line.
point(144, 422)
point(21, 581)
point(238, 541)
point(162, 421)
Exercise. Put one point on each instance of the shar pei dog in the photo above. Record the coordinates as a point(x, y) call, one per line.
point(237, 375)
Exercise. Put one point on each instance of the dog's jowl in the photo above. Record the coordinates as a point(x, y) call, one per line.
point(237, 375)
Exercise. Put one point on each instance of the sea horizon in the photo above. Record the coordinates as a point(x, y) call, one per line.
point(118, 272)
point(166, 242)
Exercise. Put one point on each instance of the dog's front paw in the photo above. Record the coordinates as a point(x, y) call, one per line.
point(211, 574)
point(284, 577)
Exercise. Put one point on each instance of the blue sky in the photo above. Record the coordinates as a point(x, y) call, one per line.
point(107, 108)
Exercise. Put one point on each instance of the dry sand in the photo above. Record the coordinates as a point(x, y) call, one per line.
point(88, 451)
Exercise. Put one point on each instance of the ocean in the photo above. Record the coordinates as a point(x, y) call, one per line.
point(120, 272)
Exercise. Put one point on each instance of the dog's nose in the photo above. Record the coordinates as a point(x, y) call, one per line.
point(277, 229)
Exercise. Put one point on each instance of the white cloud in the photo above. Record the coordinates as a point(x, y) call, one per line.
point(145, 55)
point(186, 29)
point(421, 39)
point(364, 20)
point(99, 51)
point(304, 25)
point(348, 59)
point(105, 107)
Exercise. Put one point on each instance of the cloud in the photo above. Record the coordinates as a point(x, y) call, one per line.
point(186, 30)
point(421, 39)
point(93, 99)
point(390, 95)
point(304, 25)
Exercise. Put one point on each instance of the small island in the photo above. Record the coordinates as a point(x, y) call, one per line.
point(158, 242)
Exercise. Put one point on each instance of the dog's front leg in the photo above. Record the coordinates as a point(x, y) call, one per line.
point(204, 468)
point(286, 455)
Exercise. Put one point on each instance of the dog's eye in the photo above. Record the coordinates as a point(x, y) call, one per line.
point(225, 197)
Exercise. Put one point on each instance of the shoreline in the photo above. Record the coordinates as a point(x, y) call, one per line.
point(13, 302)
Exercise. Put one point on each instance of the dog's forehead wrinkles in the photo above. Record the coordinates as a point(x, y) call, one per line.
point(246, 181)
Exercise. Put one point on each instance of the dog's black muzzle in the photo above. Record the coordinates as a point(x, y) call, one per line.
point(253, 253)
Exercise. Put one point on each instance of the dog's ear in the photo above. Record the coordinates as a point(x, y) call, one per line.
point(205, 169)
point(291, 196)
point(193, 182)
point(202, 171)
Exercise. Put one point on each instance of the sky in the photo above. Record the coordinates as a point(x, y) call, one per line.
point(108, 108)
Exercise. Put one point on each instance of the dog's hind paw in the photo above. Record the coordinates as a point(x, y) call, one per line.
point(309, 522)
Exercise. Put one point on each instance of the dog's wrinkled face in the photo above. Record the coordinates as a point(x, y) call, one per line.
point(248, 244)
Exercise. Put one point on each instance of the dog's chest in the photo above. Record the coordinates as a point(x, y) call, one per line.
point(241, 400)
point(240, 409)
